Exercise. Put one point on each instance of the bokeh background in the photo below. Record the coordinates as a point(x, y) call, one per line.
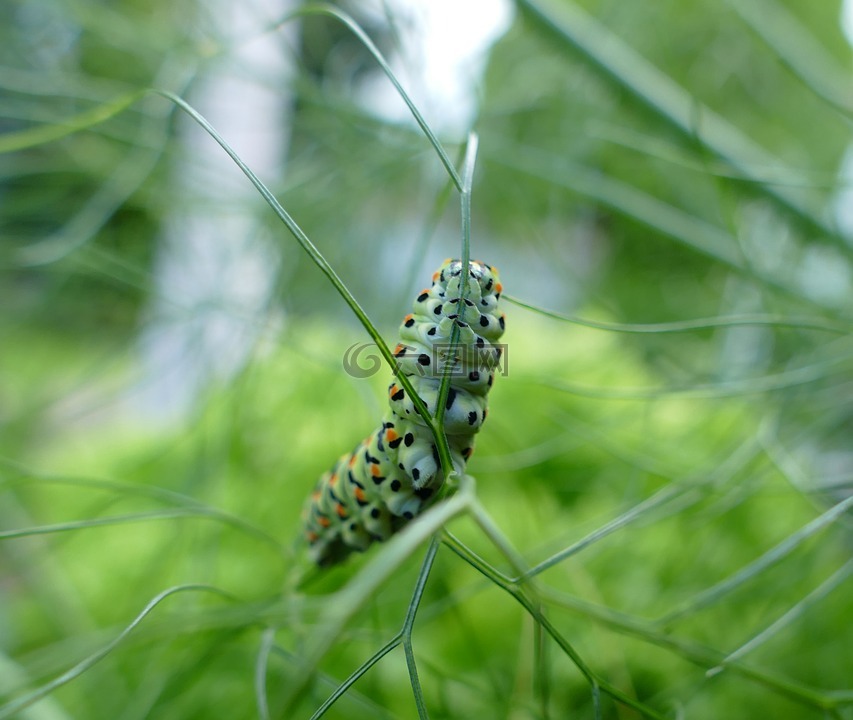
point(666, 189)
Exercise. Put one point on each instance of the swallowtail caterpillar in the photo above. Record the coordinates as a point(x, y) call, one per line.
point(394, 473)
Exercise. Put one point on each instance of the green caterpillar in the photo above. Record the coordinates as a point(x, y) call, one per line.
point(391, 476)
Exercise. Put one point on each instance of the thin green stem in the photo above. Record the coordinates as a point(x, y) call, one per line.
point(188, 507)
point(747, 319)
point(42, 134)
point(467, 184)
point(687, 492)
point(704, 657)
point(403, 636)
point(819, 593)
point(409, 624)
point(762, 563)
point(818, 372)
point(799, 50)
point(24, 701)
point(540, 669)
point(342, 689)
point(465, 200)
point(261, 664)
point(333, 12)
point(533, 607)
point(596, 682)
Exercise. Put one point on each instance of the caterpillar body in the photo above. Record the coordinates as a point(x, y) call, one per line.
point(394, 473)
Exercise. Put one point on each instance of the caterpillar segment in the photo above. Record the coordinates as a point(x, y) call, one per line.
point(395, 473)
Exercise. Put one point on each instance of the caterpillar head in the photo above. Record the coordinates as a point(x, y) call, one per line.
point(482, 279)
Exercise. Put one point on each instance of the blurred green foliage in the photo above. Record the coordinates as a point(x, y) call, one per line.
point(689, 485)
